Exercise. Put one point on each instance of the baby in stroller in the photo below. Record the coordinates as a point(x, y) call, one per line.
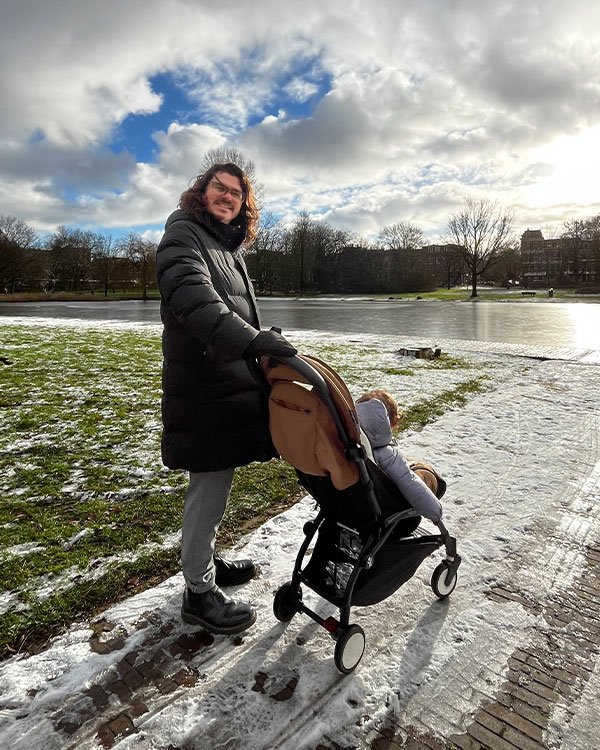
point(378, 415)
point(364, 542)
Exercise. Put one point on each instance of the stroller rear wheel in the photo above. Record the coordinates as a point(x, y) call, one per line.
point(349, 649)
point(443, 581)
point(285, 604)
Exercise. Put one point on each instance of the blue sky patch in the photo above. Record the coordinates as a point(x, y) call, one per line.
point(297, 91)
point(135, 132)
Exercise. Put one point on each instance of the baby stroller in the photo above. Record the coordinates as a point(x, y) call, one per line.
point(367, 539)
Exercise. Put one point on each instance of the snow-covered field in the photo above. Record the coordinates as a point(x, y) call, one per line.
point(522, 462)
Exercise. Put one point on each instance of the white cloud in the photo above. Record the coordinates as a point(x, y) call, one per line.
point(426, 102)
point(300, 90)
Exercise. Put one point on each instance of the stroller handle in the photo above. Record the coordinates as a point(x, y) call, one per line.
point(304, 368)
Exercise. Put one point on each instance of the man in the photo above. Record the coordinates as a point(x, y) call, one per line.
point(214, 411)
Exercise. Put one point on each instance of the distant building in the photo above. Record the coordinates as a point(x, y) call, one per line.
point(444, 263)
point(558, 262)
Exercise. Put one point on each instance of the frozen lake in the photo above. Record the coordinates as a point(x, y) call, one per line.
point(523, 322)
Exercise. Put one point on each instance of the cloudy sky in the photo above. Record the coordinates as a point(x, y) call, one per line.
point(362, 113)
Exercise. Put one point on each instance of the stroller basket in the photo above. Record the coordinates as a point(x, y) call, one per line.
point(367, 539)
point(335, 556)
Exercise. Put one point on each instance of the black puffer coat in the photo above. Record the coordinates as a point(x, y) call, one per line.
point(214, 411)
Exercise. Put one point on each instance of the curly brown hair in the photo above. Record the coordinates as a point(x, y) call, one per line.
point(192, 200)
point(387, 400)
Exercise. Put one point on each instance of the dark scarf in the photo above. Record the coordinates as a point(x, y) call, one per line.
point(230, 236)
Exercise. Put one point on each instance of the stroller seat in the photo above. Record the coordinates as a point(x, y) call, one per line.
point(368, 541)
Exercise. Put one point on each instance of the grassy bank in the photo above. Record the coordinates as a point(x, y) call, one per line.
point(455, 294)
point(78, 296)
point(500, 294)
point(87, 512)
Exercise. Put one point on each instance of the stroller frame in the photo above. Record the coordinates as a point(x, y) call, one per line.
point(361, 546)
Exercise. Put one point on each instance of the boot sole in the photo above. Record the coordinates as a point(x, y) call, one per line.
point(192, 619)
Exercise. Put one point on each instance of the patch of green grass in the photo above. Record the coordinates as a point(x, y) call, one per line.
point(45, 617)
point(416, 416)
point(446, 362)
point(259, 491)
point(443, 362)
point(396, 371)
point(484, 294)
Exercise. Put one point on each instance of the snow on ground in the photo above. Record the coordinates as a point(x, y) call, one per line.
point(582, 730)
point(521, 461)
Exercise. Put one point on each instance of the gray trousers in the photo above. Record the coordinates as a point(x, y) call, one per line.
point(205, 503)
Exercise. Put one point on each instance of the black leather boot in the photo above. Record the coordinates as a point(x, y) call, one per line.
point(216, 612)
point(233, 572)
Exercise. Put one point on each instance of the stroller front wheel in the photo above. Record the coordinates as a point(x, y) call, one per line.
point(443, 581)
point(349, 649)
point(285, 604)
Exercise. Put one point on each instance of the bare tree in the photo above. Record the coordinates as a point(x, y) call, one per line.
point(104, 257)
point(142, 255)
point(303, 249)
point(481, 229)
point(17, 231)
point(70, 257)
point(228, 154)
point(329, 244)
point(266, 249)
point(592, 228)
point(575, 232)
point(592, 233)
point(403, 235)
point(509, 262)
point(16, 241)
point(401, 243)
point(305, 257)
point(451, 264)
point(362, 269)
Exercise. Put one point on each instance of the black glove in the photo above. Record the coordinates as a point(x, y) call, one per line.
point(269, 342)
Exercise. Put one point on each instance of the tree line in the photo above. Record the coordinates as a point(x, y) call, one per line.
point(309, 256)
point(73, 260)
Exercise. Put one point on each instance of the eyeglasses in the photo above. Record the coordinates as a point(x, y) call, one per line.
point(218, 187)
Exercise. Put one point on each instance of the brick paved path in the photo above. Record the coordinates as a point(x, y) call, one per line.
point(539, 680)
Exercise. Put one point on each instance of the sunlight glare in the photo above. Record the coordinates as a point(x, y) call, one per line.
point(585, 322)
point(573, 164)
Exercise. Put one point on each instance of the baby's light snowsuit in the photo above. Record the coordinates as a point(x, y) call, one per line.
point(375, 424)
